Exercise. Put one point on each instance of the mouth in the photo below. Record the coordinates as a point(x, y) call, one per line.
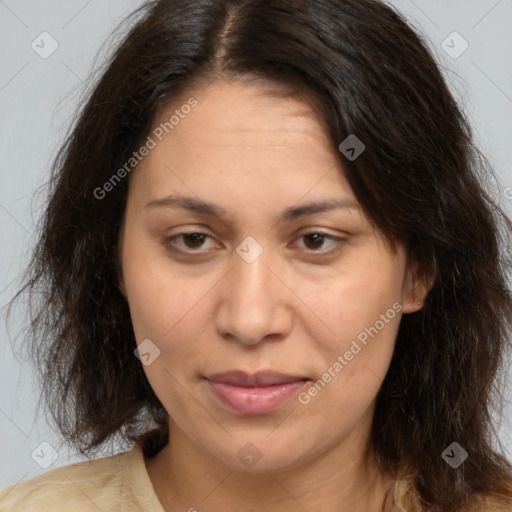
point(257, 393)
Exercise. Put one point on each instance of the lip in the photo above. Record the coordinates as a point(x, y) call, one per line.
point(257, 393)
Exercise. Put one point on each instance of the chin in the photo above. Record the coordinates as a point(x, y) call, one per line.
point(258, 454)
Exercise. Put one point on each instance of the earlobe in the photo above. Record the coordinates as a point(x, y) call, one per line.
point(121, 288)
point(120, 280)
point(417, 286)
point(119, 270)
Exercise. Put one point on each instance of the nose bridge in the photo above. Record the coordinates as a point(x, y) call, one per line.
point(254, 301)
point(251, 281)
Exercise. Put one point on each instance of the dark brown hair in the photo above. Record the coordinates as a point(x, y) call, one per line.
point(420, 180)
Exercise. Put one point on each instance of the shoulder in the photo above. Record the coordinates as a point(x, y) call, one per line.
point(84, 486)
point(483, 503)
point(403, 496)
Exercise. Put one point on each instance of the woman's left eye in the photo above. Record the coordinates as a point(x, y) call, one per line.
point(315, 241)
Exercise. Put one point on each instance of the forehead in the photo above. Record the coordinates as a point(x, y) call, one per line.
point(242, 134)
point(230, 113)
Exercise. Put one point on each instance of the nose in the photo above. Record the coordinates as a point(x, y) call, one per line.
point(254, 304)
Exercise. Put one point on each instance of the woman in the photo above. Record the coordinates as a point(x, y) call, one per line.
point(269, 261)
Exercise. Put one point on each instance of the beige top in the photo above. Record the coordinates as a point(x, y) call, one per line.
point(116, 483)
point(121, 483)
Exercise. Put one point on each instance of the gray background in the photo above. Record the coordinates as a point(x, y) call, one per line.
point(37, 100)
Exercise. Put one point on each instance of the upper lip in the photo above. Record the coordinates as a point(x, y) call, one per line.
point(258, 379)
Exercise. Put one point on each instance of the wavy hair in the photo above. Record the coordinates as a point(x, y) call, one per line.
point(421, 180)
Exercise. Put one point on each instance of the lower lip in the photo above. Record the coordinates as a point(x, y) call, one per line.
point(255, 400)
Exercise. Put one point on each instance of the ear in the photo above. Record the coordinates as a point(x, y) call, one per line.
point(119, 273)
point(418, 282)
point(120, 285)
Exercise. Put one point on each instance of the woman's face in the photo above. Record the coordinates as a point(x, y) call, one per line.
point(273, 284)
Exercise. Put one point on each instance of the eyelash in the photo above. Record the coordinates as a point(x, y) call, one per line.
point(168, 242)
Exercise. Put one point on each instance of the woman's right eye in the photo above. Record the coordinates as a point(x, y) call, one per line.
point(190, 241)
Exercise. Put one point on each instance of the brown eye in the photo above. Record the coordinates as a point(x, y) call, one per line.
point(191, 241)
point(315, 240)
point(194, 240)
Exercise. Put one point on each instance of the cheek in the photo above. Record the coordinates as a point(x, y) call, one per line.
point(354, 299)
point(170, 312)
point(362, 308)
point(157, 297)
point(355, 365)
point(166, 310)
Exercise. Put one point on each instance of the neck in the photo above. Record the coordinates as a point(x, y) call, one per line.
point(343, 479)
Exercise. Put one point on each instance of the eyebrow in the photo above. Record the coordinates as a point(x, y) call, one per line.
point(202, 207)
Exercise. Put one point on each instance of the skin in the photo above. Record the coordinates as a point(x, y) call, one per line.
point(291, 310)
